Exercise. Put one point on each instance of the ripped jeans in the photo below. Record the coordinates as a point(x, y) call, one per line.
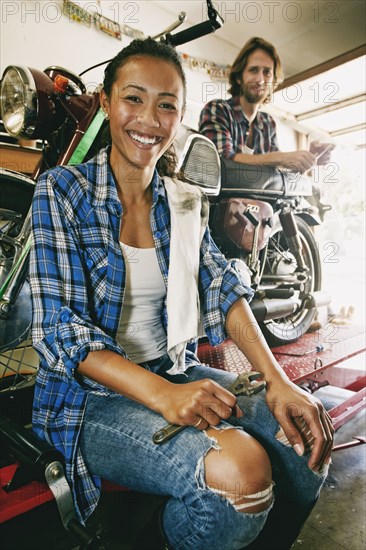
point(116, 442)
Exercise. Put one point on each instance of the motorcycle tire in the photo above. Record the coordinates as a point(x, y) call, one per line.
point(278, 332)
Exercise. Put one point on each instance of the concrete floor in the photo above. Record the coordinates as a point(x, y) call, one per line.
point(337, 522)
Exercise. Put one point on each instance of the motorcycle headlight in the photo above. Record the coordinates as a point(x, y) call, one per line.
point(27, 108)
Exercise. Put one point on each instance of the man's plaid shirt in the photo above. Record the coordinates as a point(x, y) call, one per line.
point(77, 277)
point(224, 123)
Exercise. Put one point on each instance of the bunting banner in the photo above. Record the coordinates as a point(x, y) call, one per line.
point(75, 13)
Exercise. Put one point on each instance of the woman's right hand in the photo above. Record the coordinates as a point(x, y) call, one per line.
point(205, 400)
point(182, 404)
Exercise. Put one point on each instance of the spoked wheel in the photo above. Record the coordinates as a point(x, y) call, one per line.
point(18, 368)
point(18, 361)
point(279, 261)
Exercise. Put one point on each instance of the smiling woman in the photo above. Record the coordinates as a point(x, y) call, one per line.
point(143, 87)
point(123, 268)
point(145, 105)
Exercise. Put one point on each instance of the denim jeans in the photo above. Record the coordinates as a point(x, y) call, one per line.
point(116, 442)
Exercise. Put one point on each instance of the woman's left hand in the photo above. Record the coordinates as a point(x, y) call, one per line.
point(294, 409)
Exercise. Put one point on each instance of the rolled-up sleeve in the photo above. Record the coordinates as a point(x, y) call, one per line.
point(63, 332)
point(221, 284)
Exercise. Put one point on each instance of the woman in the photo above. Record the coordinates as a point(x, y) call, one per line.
point(121, 265)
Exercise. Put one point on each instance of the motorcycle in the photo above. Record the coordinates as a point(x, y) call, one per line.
point(259, 215)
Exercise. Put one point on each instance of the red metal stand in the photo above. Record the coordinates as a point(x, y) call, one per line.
point(315, 359)
point(20, 500)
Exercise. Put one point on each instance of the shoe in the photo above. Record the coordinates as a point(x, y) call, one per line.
point(314, 326)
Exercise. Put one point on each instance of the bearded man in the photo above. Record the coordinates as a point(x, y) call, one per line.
point(243, 133)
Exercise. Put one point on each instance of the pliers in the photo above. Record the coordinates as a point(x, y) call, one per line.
point(245, 384)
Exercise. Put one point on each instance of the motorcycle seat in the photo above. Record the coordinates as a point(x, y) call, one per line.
point(263, 180)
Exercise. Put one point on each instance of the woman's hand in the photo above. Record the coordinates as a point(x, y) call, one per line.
point(201, 404)
point(306, 423)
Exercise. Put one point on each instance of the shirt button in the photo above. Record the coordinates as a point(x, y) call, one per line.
point(89, 263)
point(158, 234)
point(64, 317)
point(215, 340)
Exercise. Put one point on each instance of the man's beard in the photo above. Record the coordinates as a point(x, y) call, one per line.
point(254, 97)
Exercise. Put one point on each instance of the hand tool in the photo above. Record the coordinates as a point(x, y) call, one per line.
point(329, 146)
point(245, 384)
point(317, 349)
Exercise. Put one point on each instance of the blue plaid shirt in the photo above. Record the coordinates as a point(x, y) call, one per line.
point(77, 277)
point(224, 123)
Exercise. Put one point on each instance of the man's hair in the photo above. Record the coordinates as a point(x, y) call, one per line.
point(241, 61)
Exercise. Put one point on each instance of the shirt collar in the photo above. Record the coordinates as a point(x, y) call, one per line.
point(240, 115)
point(104, 191)
point(158, 188)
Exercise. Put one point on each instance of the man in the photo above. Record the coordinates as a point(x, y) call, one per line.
point(240, 131)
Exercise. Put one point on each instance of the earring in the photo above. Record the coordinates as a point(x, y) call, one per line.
point(106, 116)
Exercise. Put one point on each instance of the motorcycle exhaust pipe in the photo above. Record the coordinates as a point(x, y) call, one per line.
point(275, 308)
point(266, 309)
point(317, 299)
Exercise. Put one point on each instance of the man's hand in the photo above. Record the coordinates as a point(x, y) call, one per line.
point(293, 408)
point(297, 161)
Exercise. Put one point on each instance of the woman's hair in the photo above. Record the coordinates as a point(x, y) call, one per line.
point(242, 59)
point(166, 165)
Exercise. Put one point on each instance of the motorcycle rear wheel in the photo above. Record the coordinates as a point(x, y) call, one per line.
point(289, 329)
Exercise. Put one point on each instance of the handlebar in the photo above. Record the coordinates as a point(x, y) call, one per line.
point(181, 18)
point(194, 32)
point(214, 22)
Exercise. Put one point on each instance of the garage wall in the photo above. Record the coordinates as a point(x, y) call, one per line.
point(38, 34)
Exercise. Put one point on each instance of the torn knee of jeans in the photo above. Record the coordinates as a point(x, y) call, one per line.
point(241, 498)
point(323, 471)
point(242, 502)
point(282, 438)
point(305, 433)
point(200, 468)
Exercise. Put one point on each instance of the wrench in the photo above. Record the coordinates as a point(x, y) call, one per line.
point(245, 384)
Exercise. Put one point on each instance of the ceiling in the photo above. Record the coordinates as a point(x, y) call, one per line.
point(307, 34)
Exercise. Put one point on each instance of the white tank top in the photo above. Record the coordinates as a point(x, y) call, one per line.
point(140, 332)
